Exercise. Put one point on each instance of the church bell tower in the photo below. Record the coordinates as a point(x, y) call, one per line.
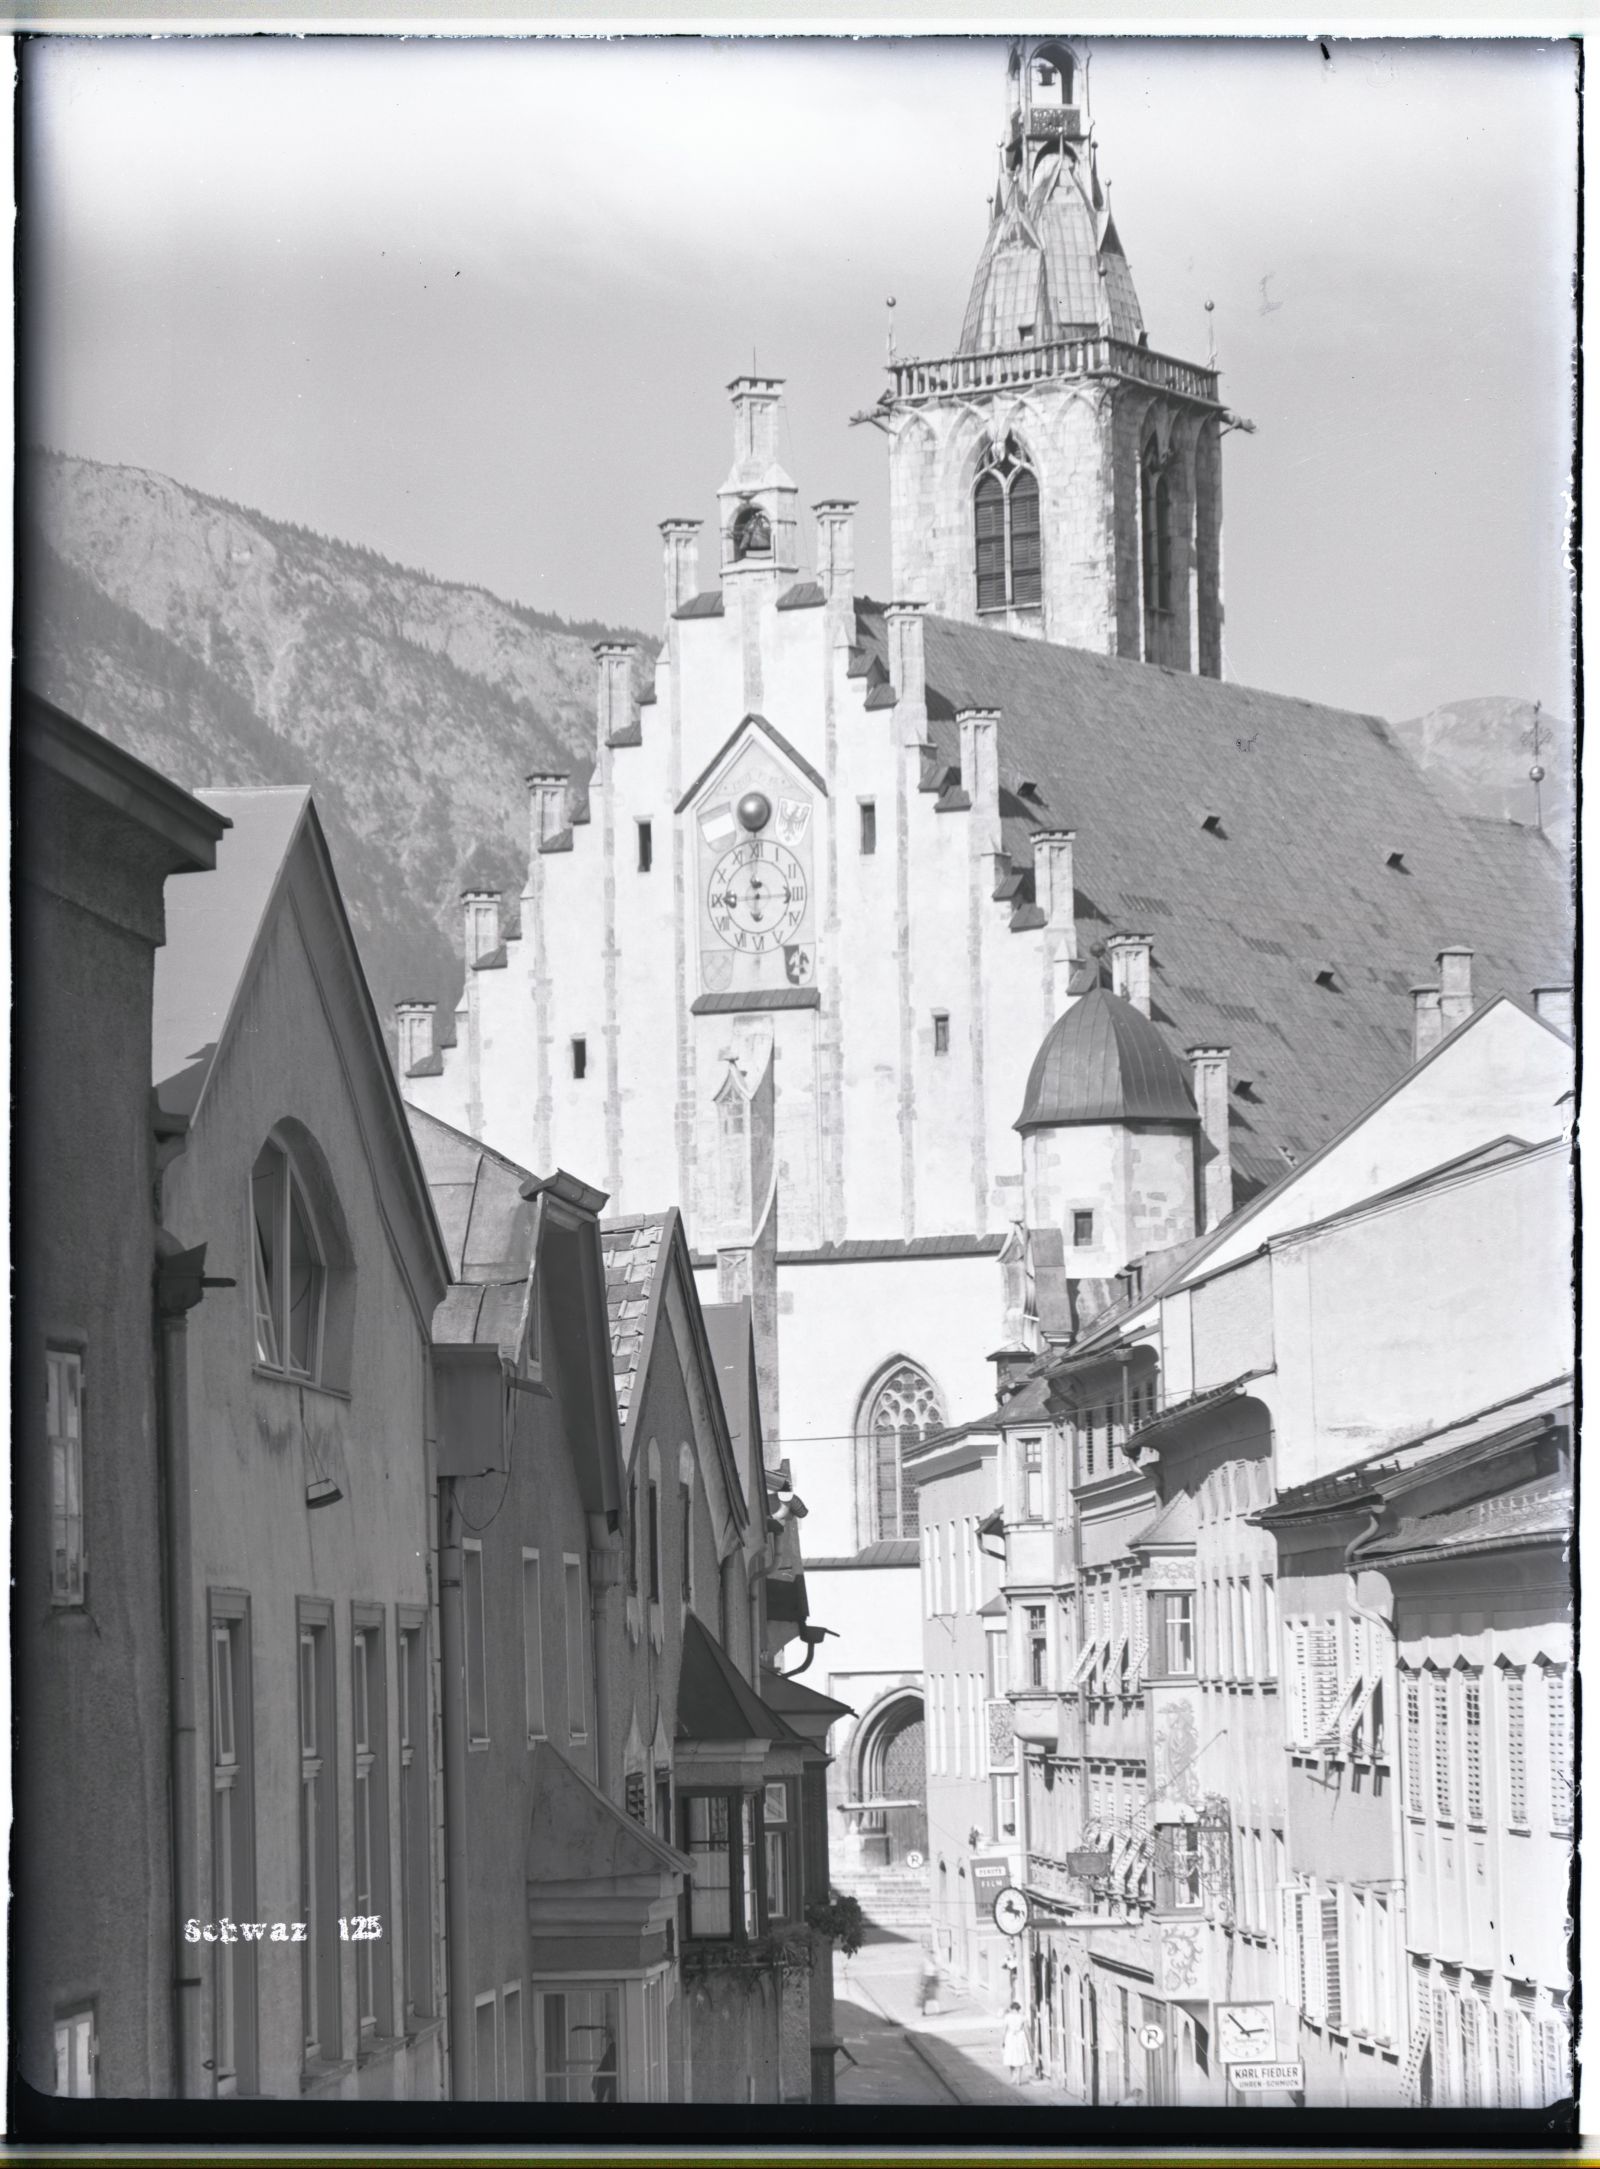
point(1056, 475)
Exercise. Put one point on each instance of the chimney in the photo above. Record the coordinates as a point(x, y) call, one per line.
point(547, 807)
point(908, 670)
point(980, 773)
point(680, 558)
point(836, 547)
point(1216, 1169)
point(1554, 1005)
point(413, 1034)
point(1130, 969)
point(1455, 987)
point(1053, 883)
point(482, 911)
point(617, 705)
point(1427, 1023)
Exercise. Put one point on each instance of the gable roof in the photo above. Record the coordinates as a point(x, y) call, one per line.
point(217, 922)
point(1311, 801)
point(758, 723)
point(715, 1700)
point(577, 1835)
point(486, 1221)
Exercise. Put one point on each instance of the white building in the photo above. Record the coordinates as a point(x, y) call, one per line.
point(840, 867)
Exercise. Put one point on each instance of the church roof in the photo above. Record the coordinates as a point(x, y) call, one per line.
point(1050, 262)
point(1102, 1061)
point(1310, 802)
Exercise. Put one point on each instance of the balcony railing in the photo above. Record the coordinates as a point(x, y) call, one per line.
point(1079, 352)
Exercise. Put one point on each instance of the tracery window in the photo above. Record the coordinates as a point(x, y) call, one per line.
point(905, 1409)
point(1155, 535)
point(1005, 511)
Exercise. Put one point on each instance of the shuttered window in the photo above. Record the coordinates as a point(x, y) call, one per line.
point(1443, 1801)
point(1472, 1737)
point(1516, 1749)
point(1332, 1969)
point(1006, 533)
point(989, 514)
point(1025, 556)
point(1560, 1741)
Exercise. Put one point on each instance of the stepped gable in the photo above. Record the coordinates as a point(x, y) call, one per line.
point(1292, 879)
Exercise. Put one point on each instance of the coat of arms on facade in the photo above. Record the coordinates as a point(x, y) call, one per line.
point(793, 815)
point(716, 970)
point(719, 825)
point(799, 963)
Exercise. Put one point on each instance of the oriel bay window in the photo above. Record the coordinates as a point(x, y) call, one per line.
point(720, 1838)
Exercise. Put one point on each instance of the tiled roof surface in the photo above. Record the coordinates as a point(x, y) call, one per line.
point(630, 1249)
point(1312, 801)
point(887, 1551)
point(1528, 1513)
point(1102, 1061)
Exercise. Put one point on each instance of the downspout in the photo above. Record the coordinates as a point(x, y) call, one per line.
point(452, 1635)
point(604, 1559)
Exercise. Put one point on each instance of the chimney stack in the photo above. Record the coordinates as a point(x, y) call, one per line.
point(1211, 1098)
point(617, 709)
point(1554, 1005)
point(482, 911)
point(1130, 969)
point(547, 807)
point(680, 559)
point(1427, 1022)
point(836, 547)
point(1455, 987)
point(908, 670)
point(1053, 892)
point(413, 1034)
point(979, 730)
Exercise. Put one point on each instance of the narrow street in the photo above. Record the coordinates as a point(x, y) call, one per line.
point(897, 2053)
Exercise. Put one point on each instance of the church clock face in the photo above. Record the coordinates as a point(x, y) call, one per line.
point(755, 829)
point(758, 896)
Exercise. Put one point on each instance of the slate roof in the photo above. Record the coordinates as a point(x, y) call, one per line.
point(780, 1691)
point(630, 1249)
point(715, 1701)
point(887, 1551)
point(1312, 800)
point(213, 919)
point(1046, 262)
point(477, 1194)
point(1103, 1061)
point(1537, 1512)
point(1177, 1523)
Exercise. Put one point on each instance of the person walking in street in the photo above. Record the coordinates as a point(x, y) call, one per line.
point(1014, 2051)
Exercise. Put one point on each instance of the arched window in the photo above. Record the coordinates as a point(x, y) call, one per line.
point(904, 1408)
point(752, 533)
point(1005, 512)
point(1155, 535)
point(289, 1272)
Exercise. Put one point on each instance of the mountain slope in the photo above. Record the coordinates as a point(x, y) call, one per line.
point(1480, 751)
point(227, 648)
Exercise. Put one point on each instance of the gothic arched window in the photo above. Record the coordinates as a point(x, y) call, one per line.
point(1005, 512)
point(752, 533)
point(903, 1409)
point(1155, 535)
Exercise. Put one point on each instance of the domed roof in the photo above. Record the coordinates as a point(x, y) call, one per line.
point(1104, 1061)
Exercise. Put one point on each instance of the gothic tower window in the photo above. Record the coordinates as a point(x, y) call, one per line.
point(1155, 534)
point(1005, 510)
point(752, 533)
point(902, 1409)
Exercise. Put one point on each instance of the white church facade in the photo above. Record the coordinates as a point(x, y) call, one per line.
point(795, 954)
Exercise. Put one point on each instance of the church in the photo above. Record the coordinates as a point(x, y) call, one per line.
point(942, 958)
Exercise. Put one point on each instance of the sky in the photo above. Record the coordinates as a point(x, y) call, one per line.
point(476, 304)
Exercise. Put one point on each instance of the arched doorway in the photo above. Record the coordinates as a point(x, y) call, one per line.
point(892, 1781)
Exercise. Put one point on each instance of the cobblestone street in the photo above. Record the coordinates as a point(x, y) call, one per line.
point(899, 2054)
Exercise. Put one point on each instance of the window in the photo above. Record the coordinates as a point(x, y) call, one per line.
point(869, 827)
point(1411, 1698)
point(370, 1896)
point(904, 1408)
point(686, 1523)
point(1155, 534)
point(76, 2051)
point(1269, 1604)
point(580, 1058)
point(1516, 1749)
point(513, 2086)
point(1472, 1738)
point(1082, 1231)
point(579, 2040)
point(1178, 1879)
point(485, 2048)
point(655, 2037)
point(289, 1276)
point(1037, 1617)
point(64, 1435)
point(941, 1031)
point(532, 1647)
point(416, 1893)
point(635, 1534)
point(1033, 1479)
point(646, 846)
point(232, 1845)
point(577, 1706)
point(1003, 1805)
point(476, 1649)
point(708, 1827)
point(319, 1838)
point(1174, 1632)
point(1246, 1643)
point(653, 1538)
point(1442, 1801)
point(999, 1657)
point(1005, 510)
point(1332, 1968)
point(1559, 1721)
point(752, 533)
point(778, 1838)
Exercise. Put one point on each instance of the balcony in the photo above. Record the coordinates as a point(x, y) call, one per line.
point(1082, 351)
point(1036, 1714)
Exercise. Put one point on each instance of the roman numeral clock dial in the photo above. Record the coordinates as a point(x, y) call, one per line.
point(757, 896)
point(756, 918)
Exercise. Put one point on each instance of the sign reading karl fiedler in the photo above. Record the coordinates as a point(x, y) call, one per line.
point(1268, 2078)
